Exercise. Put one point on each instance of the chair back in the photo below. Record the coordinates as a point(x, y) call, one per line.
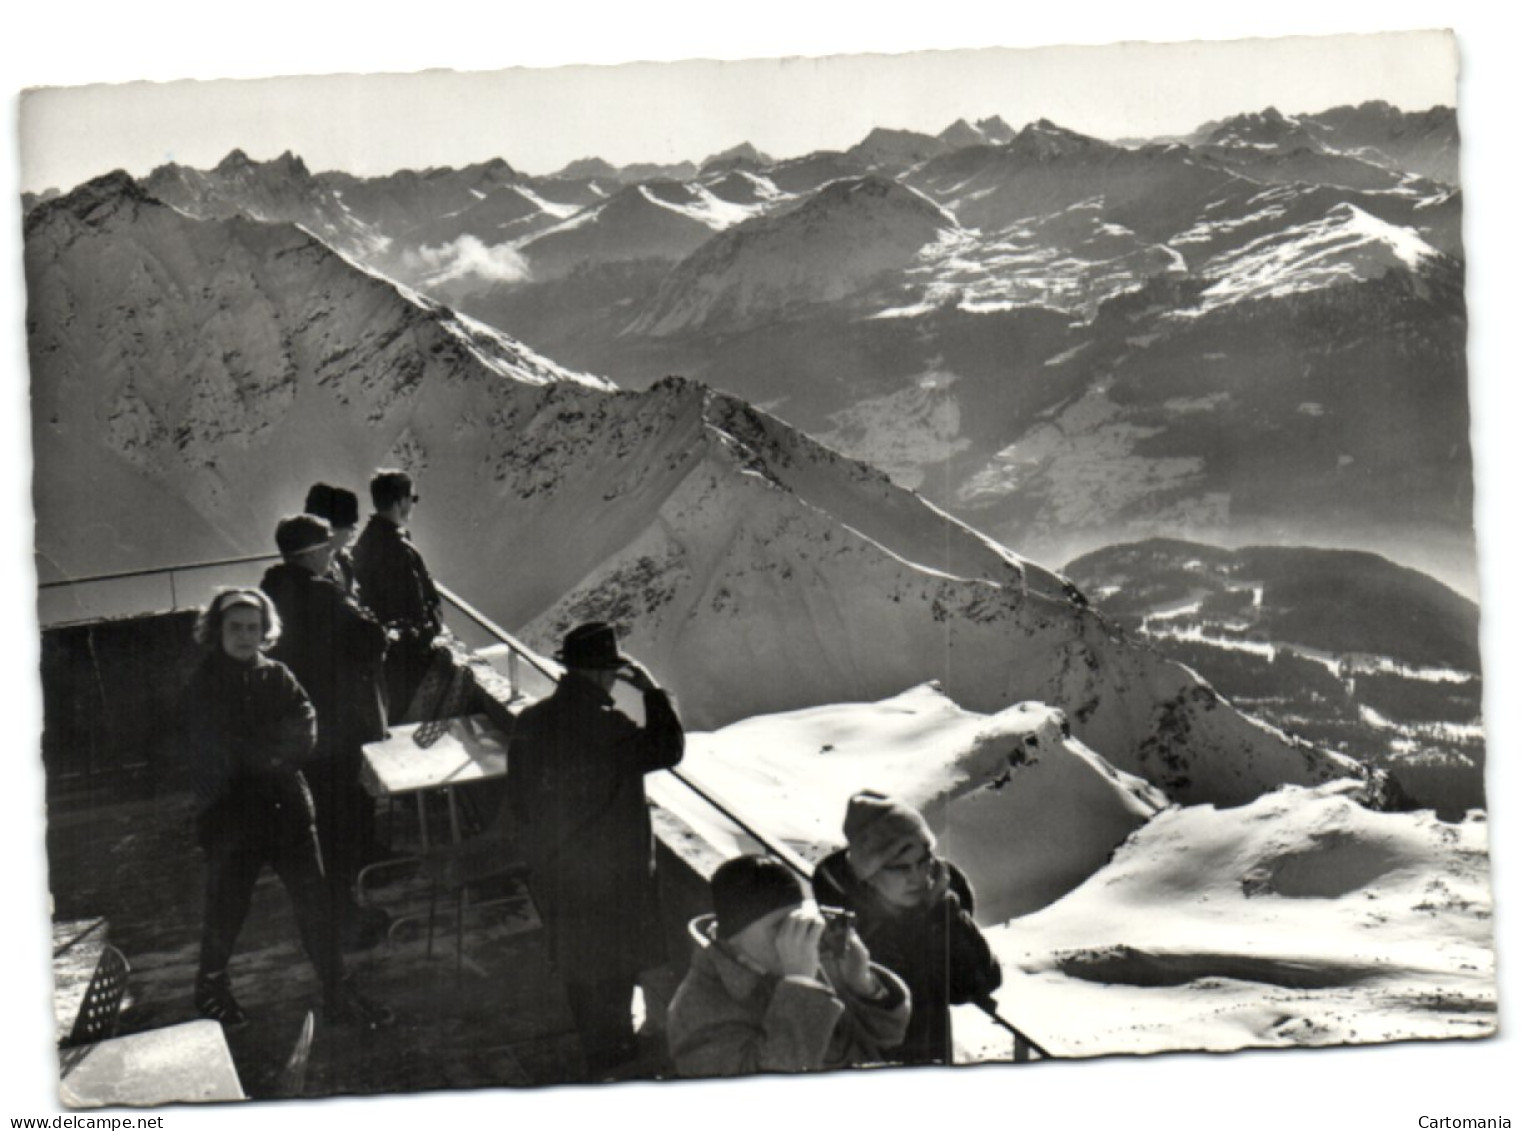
point(102, 1004)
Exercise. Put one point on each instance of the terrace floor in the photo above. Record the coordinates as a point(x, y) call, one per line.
point(128, 856)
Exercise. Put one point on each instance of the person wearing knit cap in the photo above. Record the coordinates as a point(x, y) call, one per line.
point(335, 649)
point(914, 910)
point(763, 995)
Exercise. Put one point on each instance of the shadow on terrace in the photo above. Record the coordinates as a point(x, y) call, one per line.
point(124, 869)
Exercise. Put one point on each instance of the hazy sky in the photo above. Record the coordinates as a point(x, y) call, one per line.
point(540, 119)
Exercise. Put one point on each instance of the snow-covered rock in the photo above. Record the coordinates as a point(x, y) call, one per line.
point(1301, 919)
point(848, 234)
point(1025, 809)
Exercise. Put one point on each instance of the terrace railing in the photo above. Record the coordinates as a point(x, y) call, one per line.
point(172, 588)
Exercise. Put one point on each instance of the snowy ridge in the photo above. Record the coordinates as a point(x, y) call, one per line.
point(1348, 244)
point(706, 208)
point(1300, 919)
point(998, 789)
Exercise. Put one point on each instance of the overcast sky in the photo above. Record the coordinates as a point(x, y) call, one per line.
point(541, 118)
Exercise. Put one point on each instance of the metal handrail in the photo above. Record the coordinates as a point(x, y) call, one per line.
point(153, 571)
point(516, 648)
point(1024, 1045)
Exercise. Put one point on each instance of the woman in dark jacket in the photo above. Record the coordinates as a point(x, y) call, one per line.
point(914, 913)
point(248, 727)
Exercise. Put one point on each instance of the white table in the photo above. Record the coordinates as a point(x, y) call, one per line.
point(187, 1063)
point(469, 749)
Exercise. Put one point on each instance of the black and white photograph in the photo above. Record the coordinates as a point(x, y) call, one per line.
point(947, 563)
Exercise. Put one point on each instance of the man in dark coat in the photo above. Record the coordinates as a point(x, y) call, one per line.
point(914, 912)
point(396, 586)
point(334, 648)
point(576, 770)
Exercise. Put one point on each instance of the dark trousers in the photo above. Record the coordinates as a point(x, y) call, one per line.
point(407, 666)
point(345, 826)
point(237, 849)
point(602, 1012)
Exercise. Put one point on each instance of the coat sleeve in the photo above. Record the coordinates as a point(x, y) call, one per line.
point(879, 1024)
point(361, 637)
point(660, 743)
point(793, 1036)
point(975, 972)
point(294, 733)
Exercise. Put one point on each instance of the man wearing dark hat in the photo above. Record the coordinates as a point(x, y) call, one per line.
point(576, 784)
point(763, 995)
point(396, 586)
point(334, 649)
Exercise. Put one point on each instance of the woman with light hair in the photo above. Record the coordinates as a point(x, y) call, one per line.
point(914, 913)
point(248, 726)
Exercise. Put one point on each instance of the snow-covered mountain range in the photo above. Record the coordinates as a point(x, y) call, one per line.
point(1094, 317)
point(192, 376)
point(903, 362)
point(1348, 649)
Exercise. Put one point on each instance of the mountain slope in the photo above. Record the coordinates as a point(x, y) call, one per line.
point(1299, 920)
point(234, 363)
point(826, 249)
point(1351, 650)
point(661, 220)
point(1025, 809)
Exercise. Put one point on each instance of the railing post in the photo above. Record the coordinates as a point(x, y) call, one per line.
point(512, 672)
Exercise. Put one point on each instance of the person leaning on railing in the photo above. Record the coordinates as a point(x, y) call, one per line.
point(395, 585)
point(914, 911)
point(247, 728)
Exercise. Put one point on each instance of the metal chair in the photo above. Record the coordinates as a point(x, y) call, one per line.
point(102, 1004)
point(456, 870)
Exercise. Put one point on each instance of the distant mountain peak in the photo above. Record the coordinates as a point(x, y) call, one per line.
point(1045, 139)
point(588, 168)
point(93, 203)
point(290, 164)
point(996, 130)
point(235, 160)
point(743, 154)
point(896, 148)
point(1266, 129)
point(959, 135)
point(744, 149)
